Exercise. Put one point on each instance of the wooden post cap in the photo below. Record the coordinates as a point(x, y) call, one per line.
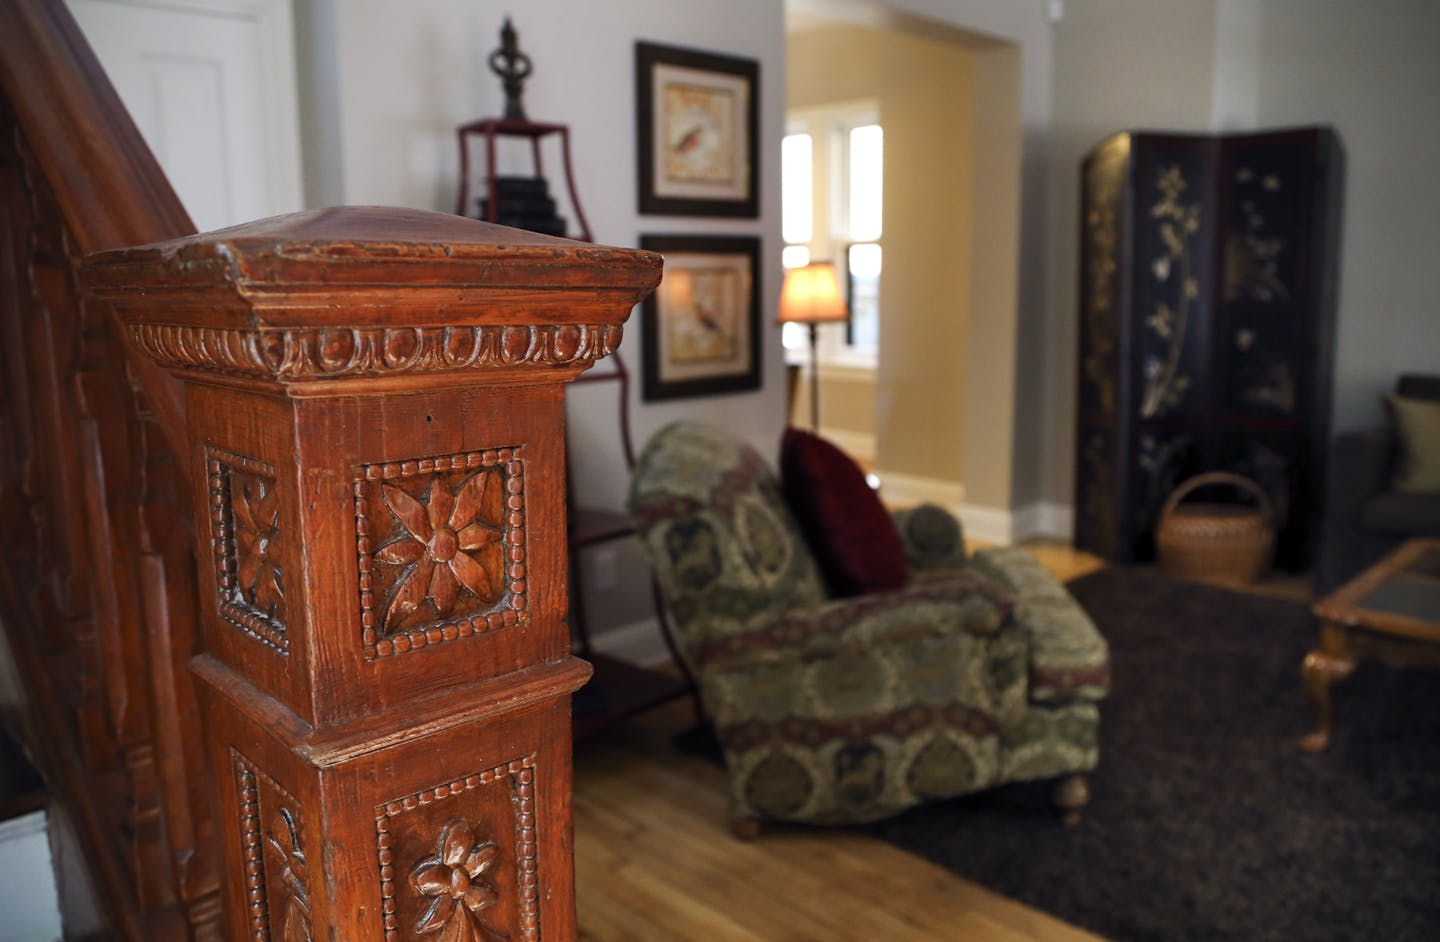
point(363, 291)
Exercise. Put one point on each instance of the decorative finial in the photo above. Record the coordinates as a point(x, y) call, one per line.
point(513, 67)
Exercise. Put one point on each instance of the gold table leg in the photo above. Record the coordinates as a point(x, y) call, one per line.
point(1333, 660)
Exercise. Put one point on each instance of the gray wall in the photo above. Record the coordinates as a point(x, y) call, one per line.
point(1118, 64)
point(1368, 69)
point(1373, 71)
point(409, 73)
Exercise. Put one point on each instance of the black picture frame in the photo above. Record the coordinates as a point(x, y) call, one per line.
point(702, 325)
point(697, 132)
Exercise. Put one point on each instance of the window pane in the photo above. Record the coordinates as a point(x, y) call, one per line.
point(795, 256)
point(866, 170)
point(796, 203)
point(863, 262)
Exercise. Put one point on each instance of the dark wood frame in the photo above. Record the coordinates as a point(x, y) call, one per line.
point(1353, 627)
point(647, 57)
point(850, 291)
point(653, 388)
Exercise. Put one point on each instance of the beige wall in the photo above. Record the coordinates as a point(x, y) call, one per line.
point(1006, 391)
point(847, 407)
point(849, 395)
point(995, 443)
point(923, 88)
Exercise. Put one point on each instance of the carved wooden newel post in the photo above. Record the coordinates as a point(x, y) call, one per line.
point(375, 402)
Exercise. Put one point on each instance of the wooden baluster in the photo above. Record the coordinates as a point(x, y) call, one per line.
point(376, 402)
point(78, 458)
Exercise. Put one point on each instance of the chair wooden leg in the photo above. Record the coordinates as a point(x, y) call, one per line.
point(1071, 794)
point(747, 829)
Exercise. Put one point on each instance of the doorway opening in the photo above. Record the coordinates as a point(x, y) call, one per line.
point(899, 133)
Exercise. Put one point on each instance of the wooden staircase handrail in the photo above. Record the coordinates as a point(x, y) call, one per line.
point(108, 184)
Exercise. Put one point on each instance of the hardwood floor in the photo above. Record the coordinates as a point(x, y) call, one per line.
point(655, 859)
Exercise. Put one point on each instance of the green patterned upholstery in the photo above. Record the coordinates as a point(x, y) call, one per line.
point(849, 710)
point(1068, 658)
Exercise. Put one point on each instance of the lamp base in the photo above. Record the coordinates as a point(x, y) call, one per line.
point(815, 378)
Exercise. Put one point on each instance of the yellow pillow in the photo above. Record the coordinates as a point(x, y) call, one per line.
point(1418, 422)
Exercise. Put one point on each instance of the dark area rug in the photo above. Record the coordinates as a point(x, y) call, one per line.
point(1206, 822)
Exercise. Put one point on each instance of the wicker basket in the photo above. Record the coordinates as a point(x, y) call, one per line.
point(1224, 543)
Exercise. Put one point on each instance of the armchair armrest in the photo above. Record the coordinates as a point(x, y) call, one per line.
point(948, 646)
point(1069, 658)
point(968, 603)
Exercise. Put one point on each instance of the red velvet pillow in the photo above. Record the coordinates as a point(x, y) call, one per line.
point(848, 529)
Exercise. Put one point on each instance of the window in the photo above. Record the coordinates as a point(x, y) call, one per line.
point(832, 200)
point(797, 199)
point(865, 170)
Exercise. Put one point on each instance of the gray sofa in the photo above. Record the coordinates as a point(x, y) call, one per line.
point(1364, 517)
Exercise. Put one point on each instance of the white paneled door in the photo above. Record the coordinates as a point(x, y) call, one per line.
point(211, 85)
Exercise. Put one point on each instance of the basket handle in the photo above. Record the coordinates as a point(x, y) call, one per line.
point(1220, 477)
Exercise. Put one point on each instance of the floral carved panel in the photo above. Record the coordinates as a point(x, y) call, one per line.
point(441, 546)
point(1174, 285)
point(276, 868)
point(246, 532)
point(458, 862)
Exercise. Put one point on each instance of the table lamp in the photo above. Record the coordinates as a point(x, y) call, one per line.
point(811, 295)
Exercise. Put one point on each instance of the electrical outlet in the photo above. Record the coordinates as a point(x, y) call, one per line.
point(606, 576)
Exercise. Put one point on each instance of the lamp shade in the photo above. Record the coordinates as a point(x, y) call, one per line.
point(811, 295)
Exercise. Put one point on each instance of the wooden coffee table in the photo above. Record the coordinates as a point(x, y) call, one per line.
point(1391, 611)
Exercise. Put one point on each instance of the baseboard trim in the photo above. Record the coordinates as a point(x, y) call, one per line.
point(1045, 519)
point(1003, 527)
point(906, 490)
point(986, 524)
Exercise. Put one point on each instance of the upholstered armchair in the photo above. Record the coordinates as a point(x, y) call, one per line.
point(837, 710)
point(1366, 514)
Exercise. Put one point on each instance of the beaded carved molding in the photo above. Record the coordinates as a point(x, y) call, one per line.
point(275, 866)
point(245, 532)
point(441, 543)
point(346, 352)
point(459, 884)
